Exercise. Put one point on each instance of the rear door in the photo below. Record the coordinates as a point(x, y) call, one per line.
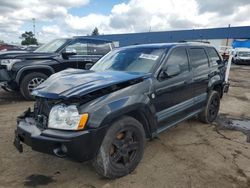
point(200, 67)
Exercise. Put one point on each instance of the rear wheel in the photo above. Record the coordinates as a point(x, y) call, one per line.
point(122, 148)
point(31, 81)
point(209, 114)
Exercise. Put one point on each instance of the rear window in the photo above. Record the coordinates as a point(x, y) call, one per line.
point(98, 49)
point(213, 56)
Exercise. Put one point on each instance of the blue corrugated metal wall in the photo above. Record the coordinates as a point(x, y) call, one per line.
point(180, 35)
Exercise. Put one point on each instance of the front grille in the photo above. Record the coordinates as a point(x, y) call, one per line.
point(42, 109)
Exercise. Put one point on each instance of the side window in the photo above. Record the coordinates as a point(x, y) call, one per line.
point(179, 57)
point(98, 49)
point(214, 57)
point(78, 47)
point(198, 58)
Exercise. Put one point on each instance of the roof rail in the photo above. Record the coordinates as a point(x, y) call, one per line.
point(198, 41)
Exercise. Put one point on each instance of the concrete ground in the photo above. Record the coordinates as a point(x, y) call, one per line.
point(189, 155)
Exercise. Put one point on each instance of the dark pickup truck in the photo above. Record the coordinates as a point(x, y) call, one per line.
point(130, 95)
point(20, 70)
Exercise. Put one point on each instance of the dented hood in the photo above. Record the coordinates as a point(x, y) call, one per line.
point(77, 83)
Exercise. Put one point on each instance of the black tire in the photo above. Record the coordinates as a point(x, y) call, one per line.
point(25, 86)
point(122, 148)
point(209, 114)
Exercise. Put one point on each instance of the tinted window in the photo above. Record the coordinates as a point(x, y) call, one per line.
point(79, 47)
point(198, 58)
point(179, 57)
point(98, 49)
point(214, 57)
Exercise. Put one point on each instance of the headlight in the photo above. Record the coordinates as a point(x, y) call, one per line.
point(67, 118)
point(9, 62)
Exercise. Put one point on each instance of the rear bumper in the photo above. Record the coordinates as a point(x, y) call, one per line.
point(75, 145)
point(226, 87)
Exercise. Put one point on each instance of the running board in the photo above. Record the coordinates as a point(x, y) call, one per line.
point(175, 123)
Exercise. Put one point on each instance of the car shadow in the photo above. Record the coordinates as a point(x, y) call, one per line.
point(9, 97)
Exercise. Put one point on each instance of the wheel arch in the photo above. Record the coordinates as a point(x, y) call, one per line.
point(216, 84)
point(140, 112)
point(30, 69)
point(219, 88)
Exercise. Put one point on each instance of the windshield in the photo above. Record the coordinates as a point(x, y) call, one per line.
point(131, 60)
point(52, 46)
point(244, 54)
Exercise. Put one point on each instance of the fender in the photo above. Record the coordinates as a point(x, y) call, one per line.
point(215, 80)
point(20, 72)
point(133, 105)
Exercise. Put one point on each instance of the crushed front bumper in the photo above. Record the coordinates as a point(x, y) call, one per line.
point(76, 145)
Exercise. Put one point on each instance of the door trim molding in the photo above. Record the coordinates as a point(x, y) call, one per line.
point(164, 114)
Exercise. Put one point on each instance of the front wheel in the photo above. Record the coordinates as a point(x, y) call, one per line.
point(31, 81)
point(122, 148)
point(209, 114)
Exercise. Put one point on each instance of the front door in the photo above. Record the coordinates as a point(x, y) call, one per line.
point(174, 95)
point(78, 48)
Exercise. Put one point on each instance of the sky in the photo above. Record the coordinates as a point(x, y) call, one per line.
point(66, 18)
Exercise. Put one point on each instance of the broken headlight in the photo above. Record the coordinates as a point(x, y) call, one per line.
point(67, 118)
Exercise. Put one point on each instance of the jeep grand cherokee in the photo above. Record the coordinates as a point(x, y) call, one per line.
point(130, 95)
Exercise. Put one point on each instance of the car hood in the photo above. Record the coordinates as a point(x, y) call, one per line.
point(75, 83)
point(25, 55)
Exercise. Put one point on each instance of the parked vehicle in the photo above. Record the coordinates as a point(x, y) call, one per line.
point(225, 52)
point(26, 70)
point(241, 56)
point(130, 95)
point(9, 47)
point(31, 48)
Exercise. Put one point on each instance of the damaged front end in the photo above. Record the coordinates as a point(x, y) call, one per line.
point(19, 137)
point(32, 130)
point(46, 130)
point(36, 119)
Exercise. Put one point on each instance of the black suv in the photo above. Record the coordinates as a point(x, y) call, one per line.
point(26, 70)
point(130, 95)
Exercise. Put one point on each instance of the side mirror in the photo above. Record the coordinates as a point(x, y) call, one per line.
point(170, 71)
point(68, 52)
